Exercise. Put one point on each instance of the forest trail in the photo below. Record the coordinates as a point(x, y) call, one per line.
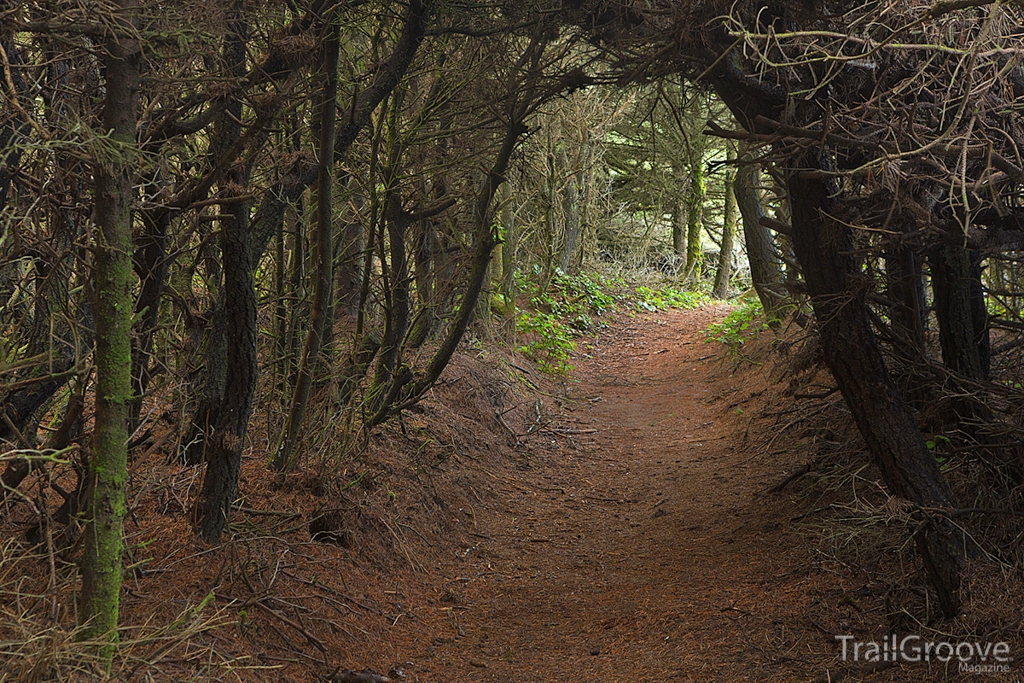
point(647, 551)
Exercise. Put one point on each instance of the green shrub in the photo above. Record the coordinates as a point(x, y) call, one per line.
point(740, 326)
point(658, 300)
point(565, 310)
point(550, 342)
point(572, 305)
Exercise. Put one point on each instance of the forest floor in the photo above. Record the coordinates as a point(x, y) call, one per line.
point(648, 551)
point(621, 528)
point(644, 544)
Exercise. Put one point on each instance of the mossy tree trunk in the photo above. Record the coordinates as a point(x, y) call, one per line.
point(112, 287)
point(694, 214)
point(678, 233)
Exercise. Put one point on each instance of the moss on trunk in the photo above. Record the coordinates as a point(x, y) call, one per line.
point(112, 285)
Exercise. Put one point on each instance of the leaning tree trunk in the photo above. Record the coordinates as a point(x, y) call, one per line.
point(112, 284)
point(765, 267)
point(823, 247)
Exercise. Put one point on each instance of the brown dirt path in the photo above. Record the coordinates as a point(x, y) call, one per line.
point(645, 553)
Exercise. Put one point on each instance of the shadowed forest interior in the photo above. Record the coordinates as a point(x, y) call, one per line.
point(326, 329)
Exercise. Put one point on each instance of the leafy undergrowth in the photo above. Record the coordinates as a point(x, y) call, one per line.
point(649, 299)
point(572, 306)
point(740, 326)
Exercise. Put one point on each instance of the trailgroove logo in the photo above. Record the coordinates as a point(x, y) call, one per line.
point(973, 657)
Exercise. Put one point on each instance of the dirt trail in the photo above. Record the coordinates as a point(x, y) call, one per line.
point(644, 554)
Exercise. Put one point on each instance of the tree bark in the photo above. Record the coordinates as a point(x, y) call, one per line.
point(424, 262)
point(236, 318)
point(508, 250)
point(765, 267)
point(729, 215)
point(151, 265)
point(678, 231)
point(823, 248)
point(571, 229)
point(960, 309)
point(349, 269)
point(396, 324)
point(325, 248)
point(112, 287)
point(694, 214)
point(905, 286)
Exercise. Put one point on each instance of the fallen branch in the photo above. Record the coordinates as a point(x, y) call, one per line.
point(796, 474)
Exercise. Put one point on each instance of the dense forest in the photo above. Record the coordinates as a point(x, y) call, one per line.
point(237, 230)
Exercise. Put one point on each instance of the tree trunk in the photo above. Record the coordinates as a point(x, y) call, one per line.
point(765, 268)
point(823, 248)
point(905, 287)
point(397, 321)
point(694, 213)
point(678, 233)
point(508, 250)
point(325, 248)
point(960, 310)
point(729, 215)
point(571, 229)
point(964, 336)
point(229, 418)
point(349, 269)
point(151, 266)
point(424, 262)
point(226, 441)
point(112, 286)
